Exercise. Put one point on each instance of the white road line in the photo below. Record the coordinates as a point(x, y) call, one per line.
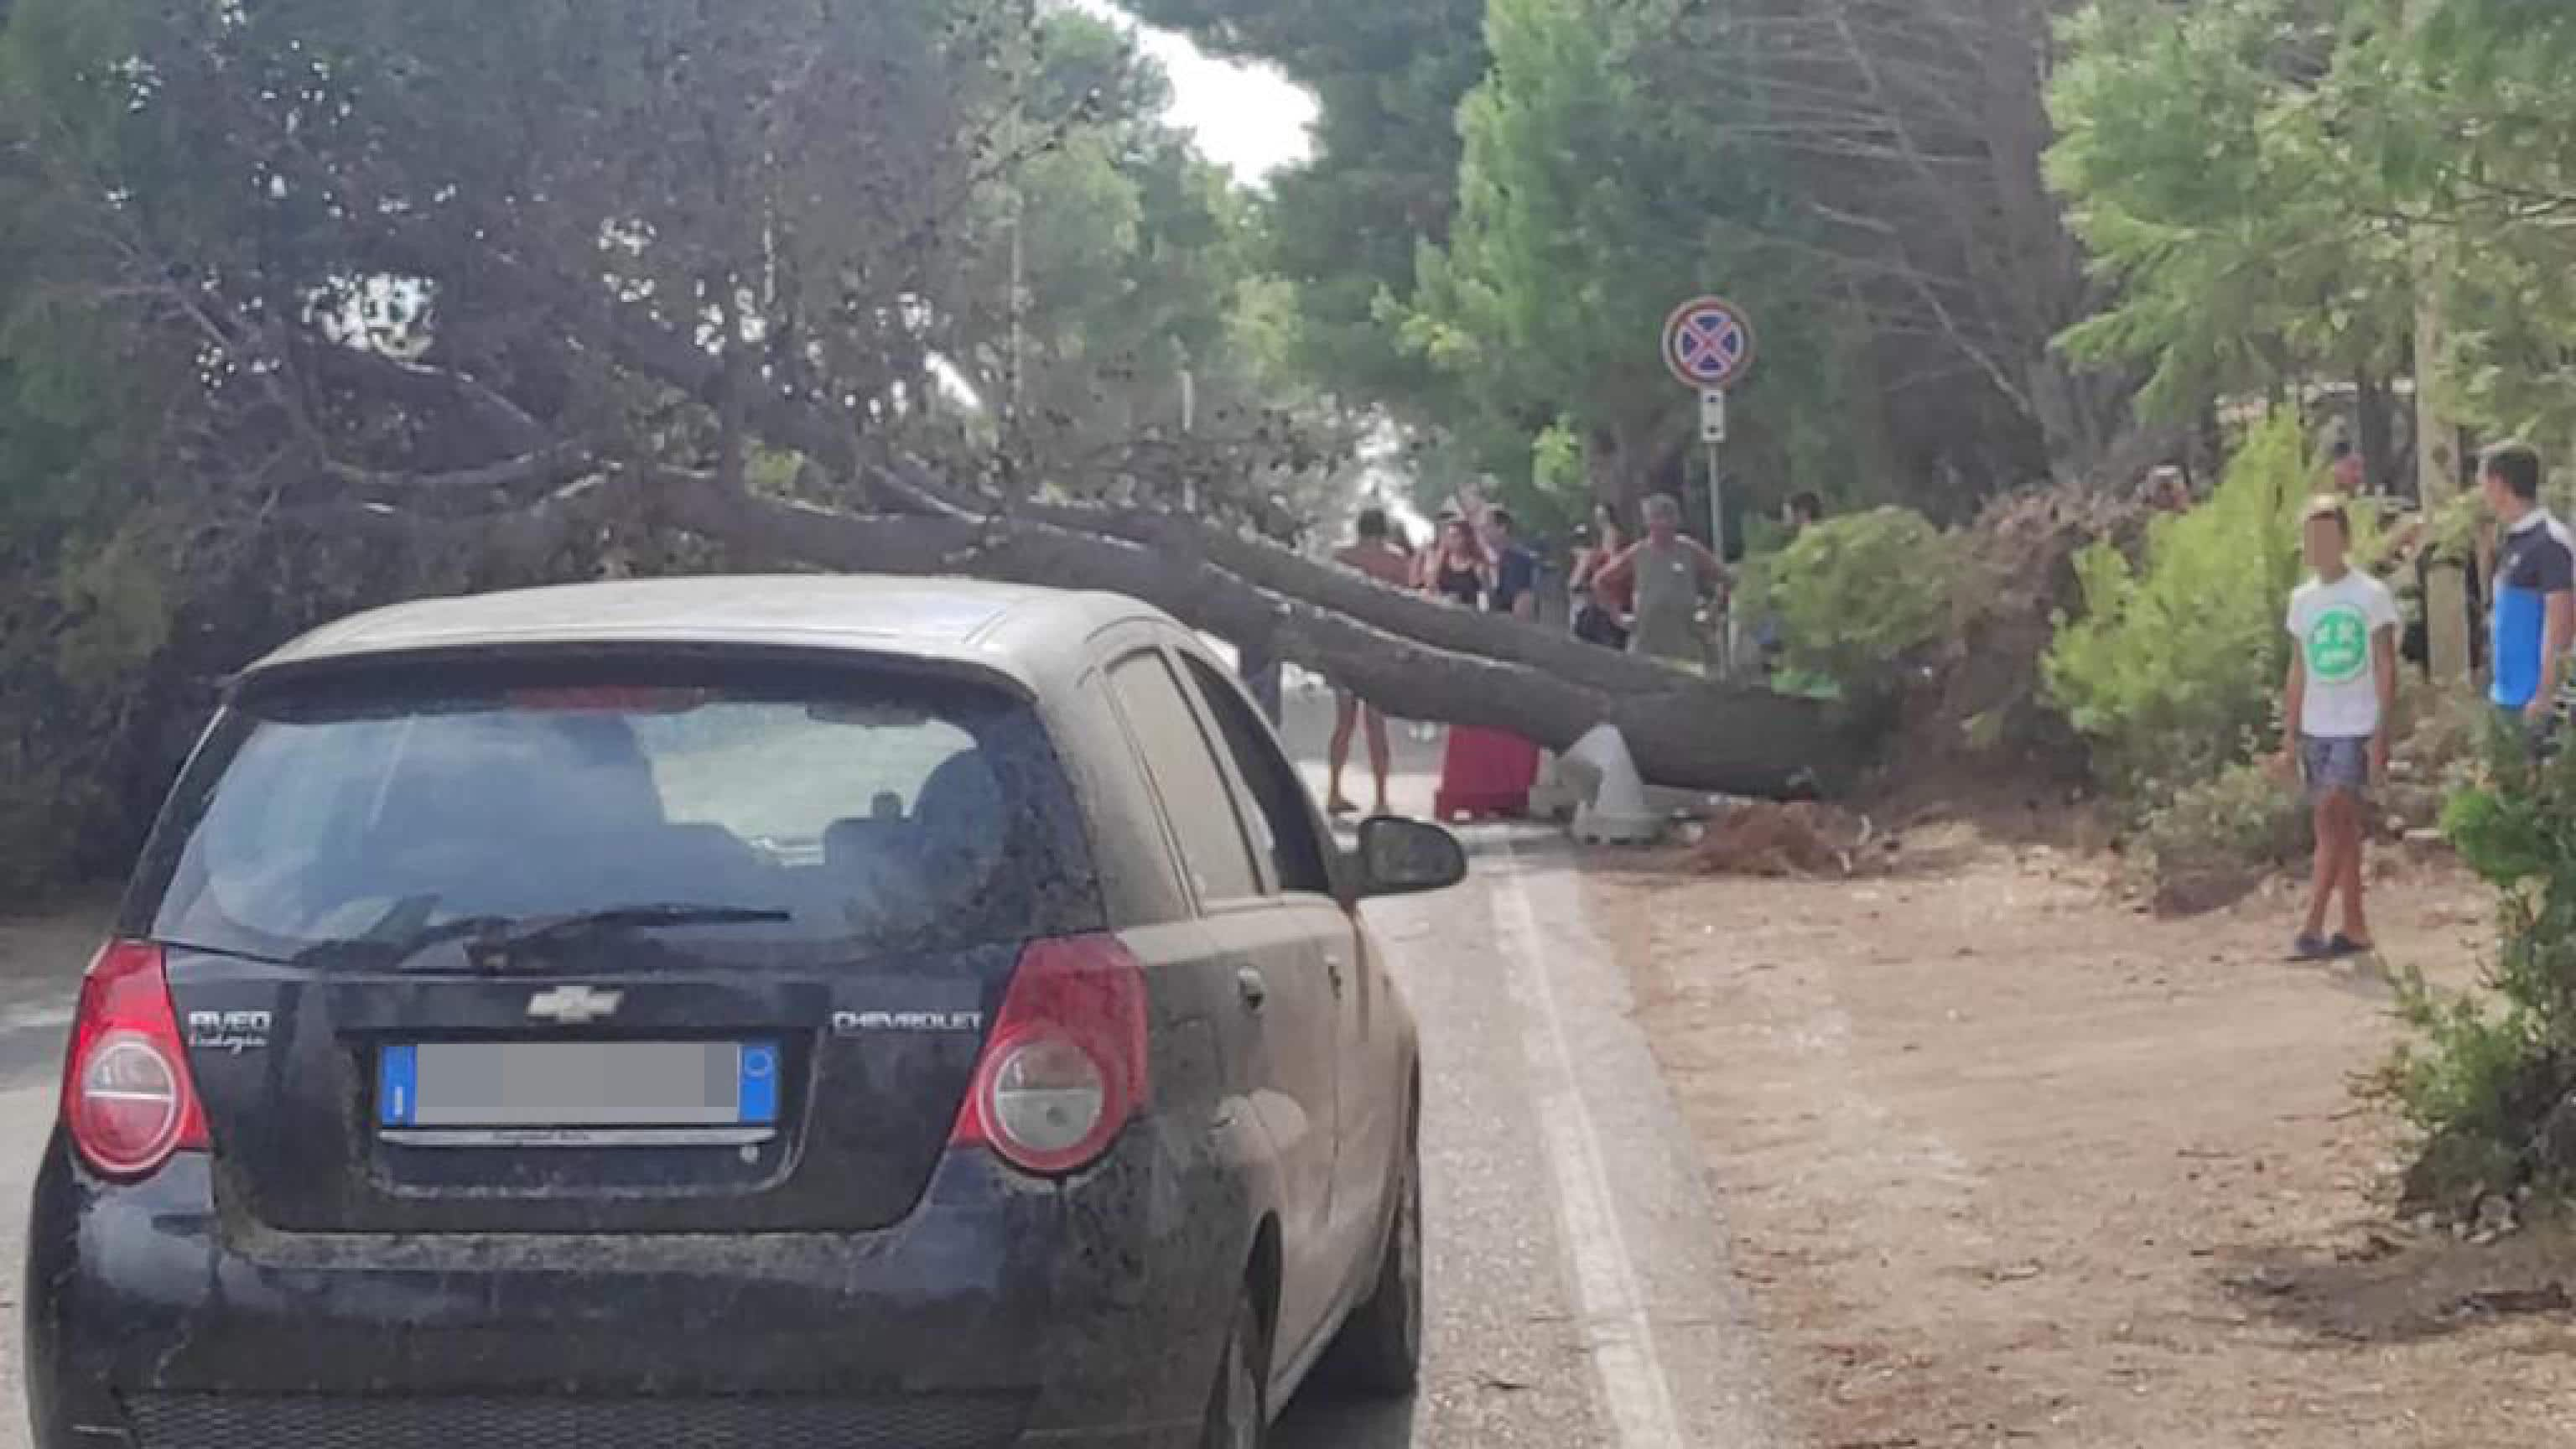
point(1619, 1335)
point(34, 1018)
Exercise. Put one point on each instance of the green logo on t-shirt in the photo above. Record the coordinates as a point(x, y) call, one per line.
point(2338, 646)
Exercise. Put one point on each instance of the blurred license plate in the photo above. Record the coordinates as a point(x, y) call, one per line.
point(578, 1084)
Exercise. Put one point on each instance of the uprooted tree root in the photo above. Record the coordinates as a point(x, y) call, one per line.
point(1801, 839)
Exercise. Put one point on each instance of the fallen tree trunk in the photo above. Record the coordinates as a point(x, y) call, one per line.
point(1265, 566)
point(1412, 658)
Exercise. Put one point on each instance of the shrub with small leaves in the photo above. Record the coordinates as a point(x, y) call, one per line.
point(2490, 1078)
point(2214, 841)
point(1858, 597)
point(2174, 666)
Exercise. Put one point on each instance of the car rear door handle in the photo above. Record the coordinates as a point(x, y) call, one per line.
point(1256, 992)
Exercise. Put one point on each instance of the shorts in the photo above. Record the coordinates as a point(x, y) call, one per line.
point(2335, 767)
point(1594, 625)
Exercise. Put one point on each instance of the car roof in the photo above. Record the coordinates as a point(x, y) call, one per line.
point(1022, 634)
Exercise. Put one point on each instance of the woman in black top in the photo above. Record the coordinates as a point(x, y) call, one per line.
point(1458, 566)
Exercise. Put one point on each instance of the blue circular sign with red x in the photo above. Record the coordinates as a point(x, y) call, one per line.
point(1708, 343)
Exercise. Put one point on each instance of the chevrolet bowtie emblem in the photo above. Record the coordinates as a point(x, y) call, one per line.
point(575, 1005)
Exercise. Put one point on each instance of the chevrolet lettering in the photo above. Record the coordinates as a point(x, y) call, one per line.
point(855, 1023)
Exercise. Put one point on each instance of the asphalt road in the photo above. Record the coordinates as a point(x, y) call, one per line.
point(1576, 1280)
point(1577, 1289)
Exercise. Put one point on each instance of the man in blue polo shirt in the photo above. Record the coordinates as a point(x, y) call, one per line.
point(2535, 591)
point(1513, 587)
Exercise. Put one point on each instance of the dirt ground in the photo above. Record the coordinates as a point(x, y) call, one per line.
point(2006, 1162)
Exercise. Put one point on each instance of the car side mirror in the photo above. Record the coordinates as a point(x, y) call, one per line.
point(1407, 857)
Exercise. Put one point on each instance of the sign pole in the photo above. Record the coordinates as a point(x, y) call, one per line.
point(1717, 545)
point(1708, 345)
point(1712, 432)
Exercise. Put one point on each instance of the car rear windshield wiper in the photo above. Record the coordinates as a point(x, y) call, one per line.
point(548, 931)
point(492, 938)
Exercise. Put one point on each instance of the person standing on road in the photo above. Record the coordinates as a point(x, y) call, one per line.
point(1372, 551)
point(1457, 568)
point(1514, 589)
point(2341, 698)
point(1484, 772)
point(1600, 611)
point(1672, 575)
point(2534, 622)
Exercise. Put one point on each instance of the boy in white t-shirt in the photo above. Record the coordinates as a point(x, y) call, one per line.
point(2342, 696)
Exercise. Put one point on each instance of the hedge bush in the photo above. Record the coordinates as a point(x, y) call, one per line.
point(2174, 667)
point(2215, 840)
point(1858, 597)
point(2490, 1078)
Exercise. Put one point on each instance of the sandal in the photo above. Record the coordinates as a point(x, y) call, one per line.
point(2346, 947)
point(2311, 948)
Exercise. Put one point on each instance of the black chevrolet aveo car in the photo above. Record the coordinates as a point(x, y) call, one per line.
point(734, 1012)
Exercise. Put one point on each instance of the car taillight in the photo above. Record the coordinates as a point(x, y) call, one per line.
point(1064, 1069)
point(127, 1097)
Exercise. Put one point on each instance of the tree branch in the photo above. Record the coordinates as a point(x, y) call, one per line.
point(2004, 379)
point(510, 425)
point(1683, 729)
point(554, 466)
point(1190, 543)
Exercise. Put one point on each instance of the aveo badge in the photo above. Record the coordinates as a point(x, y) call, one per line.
point(228, 1031)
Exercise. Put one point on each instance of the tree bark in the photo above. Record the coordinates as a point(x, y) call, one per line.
point(1410, 657)
point(1407, 616)
point(2375, 429)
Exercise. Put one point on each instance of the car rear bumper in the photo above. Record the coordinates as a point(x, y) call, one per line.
point(483, 1423)
point(1000, 1313)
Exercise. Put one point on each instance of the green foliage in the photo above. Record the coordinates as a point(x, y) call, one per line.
point(1142, 310)
point(2499, 837)
point(117, 603)
point(1585, 212)
point(1559, 481)
point(1859, 596)
point(1383, 178)
point(1507, 196)
point(2457, 1079)
point(2483, 1076)
point(2213, 840)
point(2253, 176)
point(565, 199)
point(2211, 176)
point(2173, 668)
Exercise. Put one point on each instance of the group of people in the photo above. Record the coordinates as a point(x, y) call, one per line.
point(1645, 597)
point(2341, 698)
point(1476, 563)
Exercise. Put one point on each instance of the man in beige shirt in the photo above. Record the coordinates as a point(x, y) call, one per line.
point(1672, 574)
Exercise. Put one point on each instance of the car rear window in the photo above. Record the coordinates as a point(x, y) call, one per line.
point(856, 812)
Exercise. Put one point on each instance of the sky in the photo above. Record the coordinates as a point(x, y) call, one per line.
point(1249, 119)
point(1252, 120)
